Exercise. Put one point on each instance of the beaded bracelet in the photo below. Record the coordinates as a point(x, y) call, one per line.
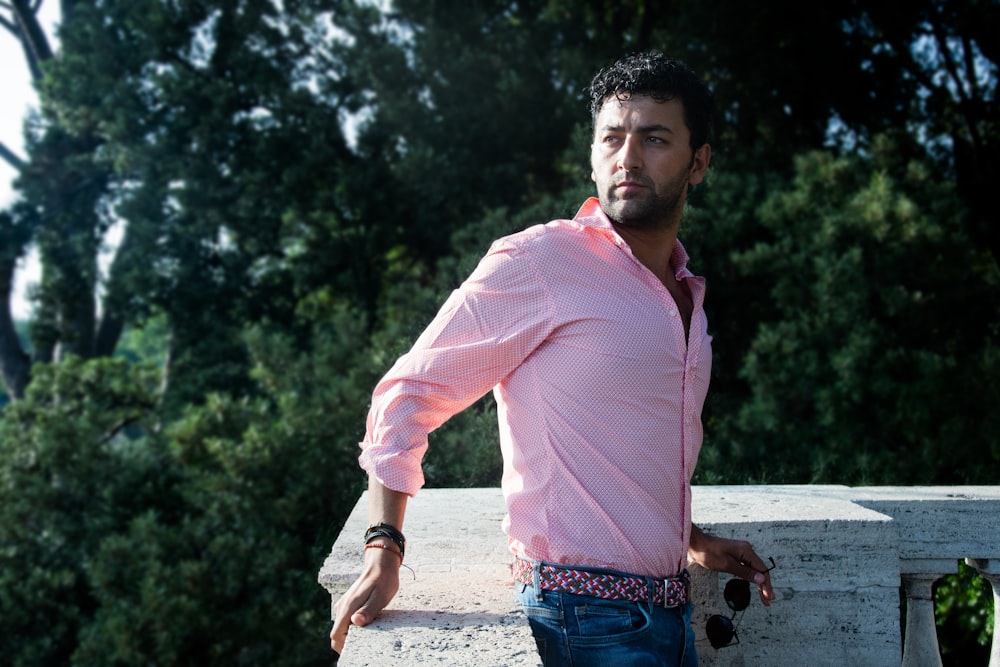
point(387, 531)
point(386, 547)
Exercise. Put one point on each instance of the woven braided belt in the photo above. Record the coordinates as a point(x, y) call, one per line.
point(671, 592)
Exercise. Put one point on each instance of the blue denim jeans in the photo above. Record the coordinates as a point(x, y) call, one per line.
point(583, 631)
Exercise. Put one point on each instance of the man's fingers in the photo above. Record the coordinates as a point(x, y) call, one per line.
point(760, 576)
point(337, 638)
point(751, 574)
point(341, 623)
point(345, 618)
point(737, 557)
point(767, 595)
point(753, 569)
point(338, 634)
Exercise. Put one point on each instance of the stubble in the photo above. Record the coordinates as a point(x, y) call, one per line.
point(650, 209)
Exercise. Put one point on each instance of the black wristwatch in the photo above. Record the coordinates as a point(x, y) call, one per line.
point(387, 531)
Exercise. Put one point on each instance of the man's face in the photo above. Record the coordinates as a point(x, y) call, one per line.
point(642, 161)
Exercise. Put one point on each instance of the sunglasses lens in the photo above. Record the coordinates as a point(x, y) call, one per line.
point(720, 631)
point(737, 594)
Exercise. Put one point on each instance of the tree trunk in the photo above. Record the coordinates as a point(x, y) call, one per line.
point(15, 365)
point(36, 45)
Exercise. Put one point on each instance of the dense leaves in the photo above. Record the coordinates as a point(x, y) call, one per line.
point(126, 544)
point(70, 478)
point(298, 186)
point(875, 302)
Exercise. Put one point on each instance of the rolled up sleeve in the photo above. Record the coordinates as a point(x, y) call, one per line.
point(484, 330)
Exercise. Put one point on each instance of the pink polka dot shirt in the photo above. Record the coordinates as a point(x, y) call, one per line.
point(599, 395)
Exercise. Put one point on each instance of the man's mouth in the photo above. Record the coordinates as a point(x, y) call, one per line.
point(628, 186)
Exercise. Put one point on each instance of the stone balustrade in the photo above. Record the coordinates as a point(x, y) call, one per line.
point(842, 554)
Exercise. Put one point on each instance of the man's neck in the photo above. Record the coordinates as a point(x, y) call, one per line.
point(652, 247)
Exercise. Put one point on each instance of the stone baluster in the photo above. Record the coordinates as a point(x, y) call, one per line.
point(920, 643)
point(990, 569)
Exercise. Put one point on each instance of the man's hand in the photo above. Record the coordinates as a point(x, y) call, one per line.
point(368, 596)
point(733, 556)
point(379, 580)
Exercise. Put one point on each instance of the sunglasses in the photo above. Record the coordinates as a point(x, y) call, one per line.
point(721, 630)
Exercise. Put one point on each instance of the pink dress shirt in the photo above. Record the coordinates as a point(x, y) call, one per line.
point(599, 395)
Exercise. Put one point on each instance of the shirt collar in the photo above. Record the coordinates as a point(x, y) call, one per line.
point(592, 215)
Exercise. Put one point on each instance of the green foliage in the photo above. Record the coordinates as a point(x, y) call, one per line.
point(856, 264)
point(267, 482)
point(200, 127)
point(963, 607)
point(147, 343)
point(464, 125)
point(123, 551)
point(465, 452)
point(70, 477)
point(272, 270)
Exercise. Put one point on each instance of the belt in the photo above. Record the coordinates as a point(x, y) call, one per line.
point(673, 592)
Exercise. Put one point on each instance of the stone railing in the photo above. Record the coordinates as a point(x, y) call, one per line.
point(843, 555)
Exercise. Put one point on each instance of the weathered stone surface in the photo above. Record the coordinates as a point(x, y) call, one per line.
point(938, 522)
point(837, 577)
point(456, 604)
point(839, 552)
point(469, 619)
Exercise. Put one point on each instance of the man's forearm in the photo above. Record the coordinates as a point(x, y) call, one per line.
point(385, 505)
point(696, 536)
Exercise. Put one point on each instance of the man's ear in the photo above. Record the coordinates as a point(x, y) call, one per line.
point(699, 165)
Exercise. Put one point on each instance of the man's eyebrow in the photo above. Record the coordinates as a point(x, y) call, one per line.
point(656, 127)
point(642, 129)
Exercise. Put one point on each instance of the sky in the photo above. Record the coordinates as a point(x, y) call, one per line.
point(17, 98)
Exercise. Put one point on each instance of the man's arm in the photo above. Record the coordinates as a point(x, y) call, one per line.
point(732, 556)
point(379, 580)
point(471, 345)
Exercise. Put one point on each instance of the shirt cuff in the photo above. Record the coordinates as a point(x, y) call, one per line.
point(394, 469)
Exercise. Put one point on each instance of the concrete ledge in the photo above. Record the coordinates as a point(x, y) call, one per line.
point(937, 522)
point(840, 553)
point(837, 577)
point(457, 605)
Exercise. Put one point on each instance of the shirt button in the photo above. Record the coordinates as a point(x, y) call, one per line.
point(673, 313)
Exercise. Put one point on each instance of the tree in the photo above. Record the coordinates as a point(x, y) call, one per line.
point(449, 90)
point(21, 22)
point(212, 137)
point(123, 542)
point(862, 258)
point(69, 478)
point(300, 183)
point(261, 497)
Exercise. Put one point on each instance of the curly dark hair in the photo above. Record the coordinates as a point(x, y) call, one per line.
point(653, 74)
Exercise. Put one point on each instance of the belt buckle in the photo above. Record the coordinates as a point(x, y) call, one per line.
point(686, 580)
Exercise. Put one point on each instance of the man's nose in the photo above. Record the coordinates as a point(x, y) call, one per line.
point(630, 157)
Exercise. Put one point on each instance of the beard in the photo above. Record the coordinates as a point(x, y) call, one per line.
point(652, 208)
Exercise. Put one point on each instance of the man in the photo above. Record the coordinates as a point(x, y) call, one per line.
point(593, 336)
